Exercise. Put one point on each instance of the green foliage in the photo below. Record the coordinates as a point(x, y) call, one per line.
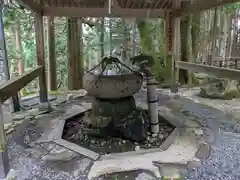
point(234, 94)
point(231, 8)
point(146, 40)
point(26, 20)
point(150, 37)
point(152, 42)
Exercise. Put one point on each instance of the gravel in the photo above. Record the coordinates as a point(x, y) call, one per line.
point(223, 164)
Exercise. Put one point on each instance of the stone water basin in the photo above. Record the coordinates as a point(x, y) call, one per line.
point(112, 86)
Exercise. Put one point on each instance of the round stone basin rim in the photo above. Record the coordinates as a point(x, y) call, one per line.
point(116, 76)
point(113, 86)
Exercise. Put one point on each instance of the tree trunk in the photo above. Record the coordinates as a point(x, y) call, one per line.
point(165, 68)
point(162, 73)
point(19, 49)
point(125, 42)
point(102, 31)
point(195, 33)
point(183, 74)
point(134, 40)
point(81, 56)
point(213, 37)
point(190, 51)
point(224, 45)
point(19, 52)
point(146, 41)
point(110, 37)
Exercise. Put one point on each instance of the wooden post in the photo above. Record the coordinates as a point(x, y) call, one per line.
point(4, 161)
point(52, 71)
point(75, 66)
point(81, 60)
point(176, 47)
point(169, 33)
point(220, 63)
point(40, 57)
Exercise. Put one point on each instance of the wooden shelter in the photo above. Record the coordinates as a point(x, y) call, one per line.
point(170, 10)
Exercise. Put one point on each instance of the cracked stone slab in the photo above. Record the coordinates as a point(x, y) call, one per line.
point(74, 168)
point(78, 149)
point(60, 154)
point(170, 139)
point(53, 128)
point(177, 119)
point(205, 130)
point(182, 151)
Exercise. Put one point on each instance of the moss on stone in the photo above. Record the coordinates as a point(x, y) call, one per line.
point(25, 93)
point(234, 94)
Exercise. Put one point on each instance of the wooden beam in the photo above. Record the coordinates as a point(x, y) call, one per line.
point(40, 58)
point(31, 5)
point(11, 87)
point(201, 5)
point(211, 70)
point(102, 12)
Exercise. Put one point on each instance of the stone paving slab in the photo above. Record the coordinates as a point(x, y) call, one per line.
point(39, 169)
point(78, 149)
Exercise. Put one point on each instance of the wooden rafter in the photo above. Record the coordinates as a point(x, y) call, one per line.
point(130, 3)
point(101, 12)
point(211, 70)
point(201, 5)
point(156, 5)
point(31, 5)
point(94, 8)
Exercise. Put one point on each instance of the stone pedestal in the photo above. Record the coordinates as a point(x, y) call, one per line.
point(104, 111)
point(113, 108)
